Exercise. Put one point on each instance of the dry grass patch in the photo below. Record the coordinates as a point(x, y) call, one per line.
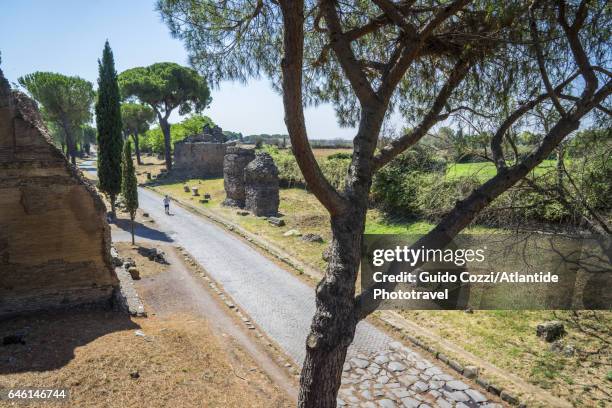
point(321, 153)
point(145, 266)
point(101, 359)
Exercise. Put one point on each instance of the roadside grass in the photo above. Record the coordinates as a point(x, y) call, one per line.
point(506, 338)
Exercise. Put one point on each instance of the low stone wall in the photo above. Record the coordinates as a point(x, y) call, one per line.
point(199, 159)
point(54, 238)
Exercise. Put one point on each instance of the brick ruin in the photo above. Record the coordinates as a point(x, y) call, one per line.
point(201, 155)
point(236, 159)
point(261, 186)
point(54, 238)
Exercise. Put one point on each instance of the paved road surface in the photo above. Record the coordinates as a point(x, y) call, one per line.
point(278, 301)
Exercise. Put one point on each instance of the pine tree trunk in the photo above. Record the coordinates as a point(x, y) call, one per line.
point(70, 142)
point(132, 227)
point(112, 200)
point(165, 126)
point(137, 148)
point(560, 168)
point(334, 322)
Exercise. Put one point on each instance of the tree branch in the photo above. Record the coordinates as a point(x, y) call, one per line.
point(465, 211)
point(571, 32)
point(540, 58)
point(293, 20)
point(397, 146)
point(416, 41)
point(342, 48)
point(497, 139)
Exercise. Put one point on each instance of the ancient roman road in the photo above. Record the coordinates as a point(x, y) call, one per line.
point(378, 369)
point(278, 302)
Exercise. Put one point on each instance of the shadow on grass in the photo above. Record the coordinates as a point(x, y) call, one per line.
point(49, 340)
point(142, 231)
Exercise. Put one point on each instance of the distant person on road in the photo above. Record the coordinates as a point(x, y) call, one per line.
point(167, 204)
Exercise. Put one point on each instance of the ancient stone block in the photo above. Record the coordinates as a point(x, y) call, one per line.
point(277, 222)
point(550, 331)
point(54, 238)
point(312, 238)
point(261, 186)
point(234, 163)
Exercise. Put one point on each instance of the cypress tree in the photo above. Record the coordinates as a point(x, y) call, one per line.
point(129, 185)
point(108, 121)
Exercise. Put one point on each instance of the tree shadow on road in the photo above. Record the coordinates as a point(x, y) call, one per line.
point(142, 231)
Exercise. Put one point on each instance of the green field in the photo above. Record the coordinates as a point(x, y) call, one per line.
point(485, 170)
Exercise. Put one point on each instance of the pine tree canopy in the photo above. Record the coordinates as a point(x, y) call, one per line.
point(59, 95)
point(165, 86)
point(136, 118)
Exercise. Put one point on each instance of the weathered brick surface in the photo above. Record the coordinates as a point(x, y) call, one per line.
point(201, 155)
point(234, 163)
point(54, 238)
point(261, 186)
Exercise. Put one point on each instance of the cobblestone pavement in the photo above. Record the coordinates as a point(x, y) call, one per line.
point(378, 372)
point(278, 302)
point(400, 377)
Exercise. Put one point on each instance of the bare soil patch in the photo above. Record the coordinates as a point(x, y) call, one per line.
point(178, 362)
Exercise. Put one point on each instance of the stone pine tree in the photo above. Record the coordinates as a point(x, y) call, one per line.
point(166, 86)
point(129, 185)
point(486, 62)
point(66, 104)
point(108, 121)
point(136, 118)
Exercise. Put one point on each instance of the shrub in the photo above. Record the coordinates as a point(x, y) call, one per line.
point(396, 186)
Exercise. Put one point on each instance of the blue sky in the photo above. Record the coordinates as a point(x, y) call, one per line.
point(67, 36)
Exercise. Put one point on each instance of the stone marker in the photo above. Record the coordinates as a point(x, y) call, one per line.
point(261, 186)
point(134, 273)
point(186, 188)
point(277, 222)
point(234, 163)
point(550, 331)
point(195, 191)
point(312, 238)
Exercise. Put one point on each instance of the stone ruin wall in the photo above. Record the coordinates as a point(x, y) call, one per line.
point(261, 186)
point(236, 159)
point(199, 159)
point(54, 238)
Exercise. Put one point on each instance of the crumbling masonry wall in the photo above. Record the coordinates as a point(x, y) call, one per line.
point(236, 159)
point(54, 238)
point(200, 155)
point(262, 186)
